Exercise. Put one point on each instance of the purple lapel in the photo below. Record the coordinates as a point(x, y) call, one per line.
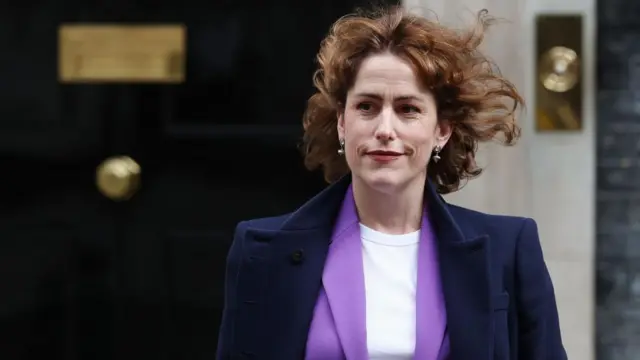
point(431, 316)
point(343, 281)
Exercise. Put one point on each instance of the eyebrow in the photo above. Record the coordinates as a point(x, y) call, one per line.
point(378, 97)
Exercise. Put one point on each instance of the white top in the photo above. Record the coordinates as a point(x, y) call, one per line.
point(390, 274)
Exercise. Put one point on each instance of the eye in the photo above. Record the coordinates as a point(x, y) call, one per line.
point(409, 109)
point(364, 106)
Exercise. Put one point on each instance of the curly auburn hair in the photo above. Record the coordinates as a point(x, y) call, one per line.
point(470, 93)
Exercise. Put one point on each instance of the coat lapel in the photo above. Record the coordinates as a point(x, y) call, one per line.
point(465, 272)
point(343, 281)
point(431, 319)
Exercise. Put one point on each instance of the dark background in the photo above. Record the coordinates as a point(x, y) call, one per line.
point(84, 277)
point(618, 180)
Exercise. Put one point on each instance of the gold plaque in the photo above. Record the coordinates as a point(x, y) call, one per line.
point(559, 73)
point(121, 53)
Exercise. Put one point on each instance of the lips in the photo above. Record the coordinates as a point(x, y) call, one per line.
point(384, 153)
point(384, 156)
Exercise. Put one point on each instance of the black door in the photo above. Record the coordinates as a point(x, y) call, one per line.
point(84, 276)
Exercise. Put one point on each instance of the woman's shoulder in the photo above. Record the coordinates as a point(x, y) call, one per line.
point(507, 237)
point(494, 225)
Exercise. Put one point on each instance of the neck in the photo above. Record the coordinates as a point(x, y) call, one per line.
point(394, 212)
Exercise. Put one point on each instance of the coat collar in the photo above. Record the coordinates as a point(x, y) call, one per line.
point(322, 209)
point(464, 269)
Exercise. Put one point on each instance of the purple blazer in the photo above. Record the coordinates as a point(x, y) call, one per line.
point(498, 295)
point(338, 327)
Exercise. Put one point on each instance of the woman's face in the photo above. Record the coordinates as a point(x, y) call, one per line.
point(389, 125)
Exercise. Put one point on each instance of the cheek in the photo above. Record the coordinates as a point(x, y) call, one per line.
point(351, 139)
point(355, 131)
point(422, 147)
point(420, 158)
point(426, 141)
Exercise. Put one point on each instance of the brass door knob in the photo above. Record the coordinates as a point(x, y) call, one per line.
point(559, 69)
point(118, 178)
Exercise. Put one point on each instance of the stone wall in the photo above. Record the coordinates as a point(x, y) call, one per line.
point(618, 180)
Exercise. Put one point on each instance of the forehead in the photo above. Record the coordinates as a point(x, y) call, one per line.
point(386, 73)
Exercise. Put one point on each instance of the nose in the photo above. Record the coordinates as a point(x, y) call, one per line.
point(384, 129)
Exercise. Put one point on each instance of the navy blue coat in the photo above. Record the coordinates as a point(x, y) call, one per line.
point(498, 294)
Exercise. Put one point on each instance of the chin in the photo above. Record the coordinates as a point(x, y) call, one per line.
point(385, 181)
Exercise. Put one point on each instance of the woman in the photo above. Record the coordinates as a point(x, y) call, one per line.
point(378, 265)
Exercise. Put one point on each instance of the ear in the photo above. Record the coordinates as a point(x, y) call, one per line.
point(340, 125)
point(443, 132)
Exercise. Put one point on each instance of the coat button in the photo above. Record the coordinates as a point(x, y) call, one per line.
point(297, 257)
